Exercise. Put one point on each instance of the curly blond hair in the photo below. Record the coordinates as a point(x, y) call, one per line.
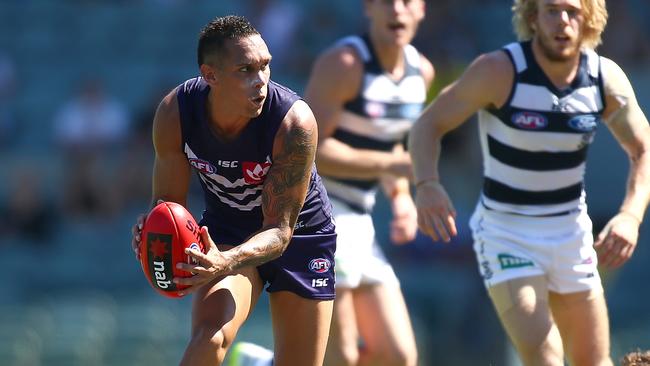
point(638, 358)
point(594, 12)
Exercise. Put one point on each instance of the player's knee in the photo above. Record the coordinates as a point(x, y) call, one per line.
point(591, 357)
point(394, 356)
point(212, 338)
point(342, 355)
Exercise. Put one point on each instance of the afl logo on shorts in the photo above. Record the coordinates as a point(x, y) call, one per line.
point(320, 265)
point(583, 123)
point(529, 120)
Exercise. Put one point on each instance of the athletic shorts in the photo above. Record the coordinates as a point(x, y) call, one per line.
point(359, 259)
point(510, 246)
point(306, 267)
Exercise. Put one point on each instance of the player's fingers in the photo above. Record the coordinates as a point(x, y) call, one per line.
point(207, 240)
point(440, 227)
point(600, 239)
point(607, 251)
point(450, 224)
point(429, 227)
point(192, 268)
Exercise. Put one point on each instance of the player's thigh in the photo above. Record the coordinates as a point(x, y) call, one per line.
point(342, 345)
point(343, 328)
point(224, 305)
point(583, 322)
point(383, 320)
point(300, 328)
point(522, 305)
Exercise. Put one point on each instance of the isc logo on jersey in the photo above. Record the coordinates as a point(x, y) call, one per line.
point(529, 120)
point(320, 265)
point(203, 166)
point(584, 123)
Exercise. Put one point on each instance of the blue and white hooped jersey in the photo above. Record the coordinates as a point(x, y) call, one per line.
point(231, 173)
point(535, 146)
point(379, 117)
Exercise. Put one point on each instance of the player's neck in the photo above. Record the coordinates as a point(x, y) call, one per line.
point(223, 122)
point(560, 72)
point(390, 57)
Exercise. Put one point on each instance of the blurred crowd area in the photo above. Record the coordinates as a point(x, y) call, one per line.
point(79, 84)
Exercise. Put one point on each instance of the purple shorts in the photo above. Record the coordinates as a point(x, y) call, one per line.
point(306, 267)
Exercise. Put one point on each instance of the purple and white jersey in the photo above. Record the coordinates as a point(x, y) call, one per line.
point(232, 172)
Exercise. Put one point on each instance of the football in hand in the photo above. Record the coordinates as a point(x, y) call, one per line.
point(167, 230)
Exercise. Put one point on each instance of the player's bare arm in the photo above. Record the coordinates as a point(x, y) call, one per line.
point(486, 82)
point(171, 172)
point(623, 116)
point(284, 189)
point(336, 79)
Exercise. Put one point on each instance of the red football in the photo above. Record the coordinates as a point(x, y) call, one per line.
point(167, 231)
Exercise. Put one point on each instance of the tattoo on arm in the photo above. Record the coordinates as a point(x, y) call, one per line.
point(283, 196)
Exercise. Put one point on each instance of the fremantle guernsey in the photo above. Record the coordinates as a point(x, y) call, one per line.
point(231, 172)
point(535, 146)
point(378, 118)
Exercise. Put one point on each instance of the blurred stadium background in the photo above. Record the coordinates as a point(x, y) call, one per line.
point(79, 82)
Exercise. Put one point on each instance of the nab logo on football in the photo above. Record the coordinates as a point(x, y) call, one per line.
point(319, 265)
point(529, 120)
point(202, 166)
point(254, 173)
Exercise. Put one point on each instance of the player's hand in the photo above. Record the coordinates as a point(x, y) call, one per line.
point(436, 214)
point(617, 241)
point(404, 225)
point(207, 266)
point(136, 232)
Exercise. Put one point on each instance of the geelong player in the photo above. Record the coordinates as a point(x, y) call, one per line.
point(252, 143)
point(540, 101)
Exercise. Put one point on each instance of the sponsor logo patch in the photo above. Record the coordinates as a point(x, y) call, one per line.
point(160, 260)
point(320, 265)
point(529, 120)
point(254, 173)
point(510, 261)
point(584, 123)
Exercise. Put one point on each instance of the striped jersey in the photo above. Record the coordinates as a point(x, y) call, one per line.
point(232, 172)
point(378, 118)
point(535, 146)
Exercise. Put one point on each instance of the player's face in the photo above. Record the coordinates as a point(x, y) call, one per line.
point(558, 28)
point(395, 21)
point(243, 75)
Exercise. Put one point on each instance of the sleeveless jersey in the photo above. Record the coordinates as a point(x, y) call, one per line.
point(231, 172)
point(535, 146)
point(379, 117)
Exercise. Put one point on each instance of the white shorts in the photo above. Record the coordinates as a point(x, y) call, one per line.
point(359, 259)
point(512, 246)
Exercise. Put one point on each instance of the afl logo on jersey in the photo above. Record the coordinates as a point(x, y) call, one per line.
point(375, 109)
point(584, 123)
point(529, 120)
point(320, 265)
point(202, 165)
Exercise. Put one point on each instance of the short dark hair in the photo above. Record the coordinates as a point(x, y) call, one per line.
point(220, 29)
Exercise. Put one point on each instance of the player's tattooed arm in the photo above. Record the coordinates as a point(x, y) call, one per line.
point(285, 187)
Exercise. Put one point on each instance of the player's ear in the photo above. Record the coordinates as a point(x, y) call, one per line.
point(208, 73)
